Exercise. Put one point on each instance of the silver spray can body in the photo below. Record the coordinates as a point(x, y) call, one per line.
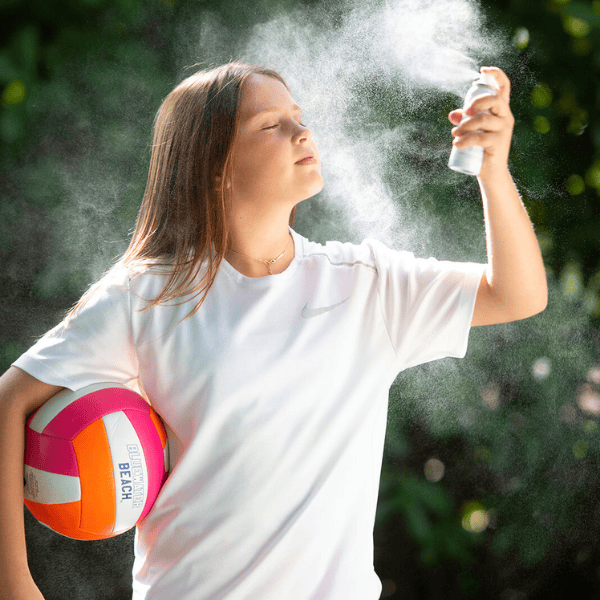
point(469, 160)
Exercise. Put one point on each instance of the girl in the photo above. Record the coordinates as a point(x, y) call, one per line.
point(269, 357)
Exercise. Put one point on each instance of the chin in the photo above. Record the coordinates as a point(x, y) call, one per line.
point(309, 190)
point(314, 189)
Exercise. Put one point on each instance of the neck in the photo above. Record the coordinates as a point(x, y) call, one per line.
point(252, 244)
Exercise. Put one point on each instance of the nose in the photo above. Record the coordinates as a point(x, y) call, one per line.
point(302, 135)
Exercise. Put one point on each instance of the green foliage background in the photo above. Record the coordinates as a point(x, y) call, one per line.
point(515, 424)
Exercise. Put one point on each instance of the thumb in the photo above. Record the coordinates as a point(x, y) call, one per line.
point(455, 117)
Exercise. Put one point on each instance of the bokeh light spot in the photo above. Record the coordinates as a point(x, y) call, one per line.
point(579, 122)
point(588, 400)
point(541, 368)
point(521, 38)
point(541, 95)
point(490, 396)
point(576, 27)
point(571, 281)
point(541, 124)
point(580, 449)
point(14, 93)
point(575, 185)
point(593, 375)
point(475, 517)
point(592, 177)
point(590, 427)
point(591, 302)
point(434, 470)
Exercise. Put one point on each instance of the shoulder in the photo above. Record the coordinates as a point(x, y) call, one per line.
point(370, 253)
point(346, 254)
point(119, 282)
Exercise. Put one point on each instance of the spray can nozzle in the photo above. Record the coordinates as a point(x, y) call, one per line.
point(487, 79)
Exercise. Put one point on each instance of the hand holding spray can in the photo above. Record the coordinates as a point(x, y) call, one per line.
point(469, 160)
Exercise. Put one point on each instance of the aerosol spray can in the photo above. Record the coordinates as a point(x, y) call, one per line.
point(468, 160)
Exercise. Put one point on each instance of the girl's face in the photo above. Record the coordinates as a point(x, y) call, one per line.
point(275, 159)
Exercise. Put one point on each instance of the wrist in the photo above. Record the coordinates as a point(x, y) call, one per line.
point(494, 175)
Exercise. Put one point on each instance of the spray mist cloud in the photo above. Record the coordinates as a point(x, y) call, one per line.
point(337, 62)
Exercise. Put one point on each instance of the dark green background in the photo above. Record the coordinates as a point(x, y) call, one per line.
point(81, 81)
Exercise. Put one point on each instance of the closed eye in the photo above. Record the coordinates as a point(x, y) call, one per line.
point(277, 125)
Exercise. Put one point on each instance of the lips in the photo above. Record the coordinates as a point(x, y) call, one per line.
point(309, 159)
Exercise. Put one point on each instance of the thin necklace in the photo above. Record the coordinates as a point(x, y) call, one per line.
point(263, 261)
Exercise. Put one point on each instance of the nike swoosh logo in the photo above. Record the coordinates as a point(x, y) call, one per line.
point(307, 313)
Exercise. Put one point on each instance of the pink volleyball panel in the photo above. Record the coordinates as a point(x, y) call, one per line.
point(51, 454)
point(153, 453)
point(72, 420)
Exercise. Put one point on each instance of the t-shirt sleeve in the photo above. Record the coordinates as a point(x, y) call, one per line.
point(94, 346)
point(427, 304)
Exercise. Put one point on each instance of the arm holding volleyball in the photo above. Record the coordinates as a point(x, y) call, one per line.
point(20, 395)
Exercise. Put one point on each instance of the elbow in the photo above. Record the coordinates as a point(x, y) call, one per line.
point(539, 307)
point(534, 306)
point(541, 299)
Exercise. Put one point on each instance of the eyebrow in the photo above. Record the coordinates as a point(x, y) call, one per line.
point(274, 109)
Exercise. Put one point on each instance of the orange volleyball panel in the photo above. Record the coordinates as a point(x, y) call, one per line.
point(159, 427)
point(81, 534)
point(98, 496)
point(63, 518)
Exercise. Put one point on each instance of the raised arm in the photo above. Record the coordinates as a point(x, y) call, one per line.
point(514, 286)
point(20, 395)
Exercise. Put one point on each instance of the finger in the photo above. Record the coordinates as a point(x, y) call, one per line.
point(481, 121)
point(477, 138)
point(502, 79)
point(493, 103)
point(455, 116)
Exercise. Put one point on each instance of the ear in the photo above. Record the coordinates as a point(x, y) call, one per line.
point(218, 180)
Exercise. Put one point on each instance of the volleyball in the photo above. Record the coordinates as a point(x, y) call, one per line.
point(95, 461)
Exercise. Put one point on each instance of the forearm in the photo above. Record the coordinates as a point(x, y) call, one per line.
point(13, 553)
point(20, 395)
point(516, 274)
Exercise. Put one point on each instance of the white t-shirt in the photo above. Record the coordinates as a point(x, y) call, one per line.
point(275, 398)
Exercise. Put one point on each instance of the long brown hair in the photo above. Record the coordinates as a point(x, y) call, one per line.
point(184, 213)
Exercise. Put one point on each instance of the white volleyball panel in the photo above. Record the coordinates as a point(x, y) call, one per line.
point(50, 488)
point(60, 401)
point(129, 469)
